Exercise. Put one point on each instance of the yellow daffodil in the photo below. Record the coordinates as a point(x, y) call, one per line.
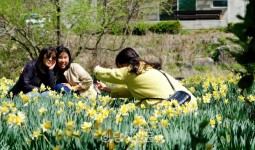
point(100, 117)
point(141, 136)
point(175, 103)
point(92, 113)
point(42, 110)
point(69, 104)
point(56, 148)
point(21, 118)
point(35, 90)
point(206, 85)
point(68, 133)
point(59, 134)
point(164, 123)
point(70, 124)
point(76, 133)
point(207, 98)
point(4, 109)
point(42, 88)
point(86, 126)
point(185, 110)
point(57, 102)
point(157, 113)
point(11, 95)
point(118, 118)
point(251, 98)
point(241, 98)
point(139, 121)
point(159, 139)
point(208, 146)
point(48, 88)
point(131, 106)
point(105, 113)
point(59, 111)
point(219, 119)
point(35, 98)
point(16, 120)
point(212, 122)
point(14, 110)
point(216, 95)
point(36, 134)
point(46, 126)
point(228, 138)
point(111, 145)
point(192, 89)
point(153, 119)
point(25, 98)
point(143, 106)
point(98, 133)
point(124, 110)
point(226, 101)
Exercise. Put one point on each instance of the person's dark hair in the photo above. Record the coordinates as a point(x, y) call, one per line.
point(130, 57)
point(61, 49)
point(48, 50)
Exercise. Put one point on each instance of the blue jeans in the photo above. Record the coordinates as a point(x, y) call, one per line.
point(65, 90)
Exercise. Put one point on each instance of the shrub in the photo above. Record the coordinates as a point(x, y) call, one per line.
point(229, 28)
point(140, 28)
point(172, 27)
point(118, 28)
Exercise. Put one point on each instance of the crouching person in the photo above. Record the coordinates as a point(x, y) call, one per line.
point(36, 73)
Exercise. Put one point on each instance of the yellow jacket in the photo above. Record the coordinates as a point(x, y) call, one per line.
point(150, 84)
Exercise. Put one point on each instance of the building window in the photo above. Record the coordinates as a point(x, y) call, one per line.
point(220, 3)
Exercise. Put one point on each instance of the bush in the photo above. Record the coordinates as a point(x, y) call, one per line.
point(172, 27)
point(118, 29)
point(229, 28)
point(141, 28)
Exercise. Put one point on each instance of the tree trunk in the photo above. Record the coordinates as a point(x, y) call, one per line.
point(58, 31)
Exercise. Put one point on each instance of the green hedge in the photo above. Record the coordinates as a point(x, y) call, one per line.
point(229, 28)
point(172, 27)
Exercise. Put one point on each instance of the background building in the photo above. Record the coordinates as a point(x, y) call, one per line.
point(230, 9)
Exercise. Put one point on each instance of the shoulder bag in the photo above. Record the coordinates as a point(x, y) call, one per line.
point(181, 96)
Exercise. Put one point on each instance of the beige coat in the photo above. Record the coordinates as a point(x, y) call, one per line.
point(76, 75)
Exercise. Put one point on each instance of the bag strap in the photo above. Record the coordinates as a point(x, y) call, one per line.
point(169, 83)
point(167, 79)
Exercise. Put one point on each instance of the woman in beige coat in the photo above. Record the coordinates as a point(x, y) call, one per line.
point(71, 77)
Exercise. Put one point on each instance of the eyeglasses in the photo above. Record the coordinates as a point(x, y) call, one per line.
point(48, 56)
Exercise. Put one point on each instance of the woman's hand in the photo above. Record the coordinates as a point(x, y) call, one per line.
point(53, 65)
point(102, 87)
point(68, 86)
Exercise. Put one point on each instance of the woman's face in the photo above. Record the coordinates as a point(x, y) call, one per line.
point(49, 59)
point(63, 60)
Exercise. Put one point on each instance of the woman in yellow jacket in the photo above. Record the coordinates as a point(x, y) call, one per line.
point(143, 80)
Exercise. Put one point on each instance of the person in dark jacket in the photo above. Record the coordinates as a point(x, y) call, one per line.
point(37, 72)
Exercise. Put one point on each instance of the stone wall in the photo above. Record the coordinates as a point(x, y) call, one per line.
point(203, 24)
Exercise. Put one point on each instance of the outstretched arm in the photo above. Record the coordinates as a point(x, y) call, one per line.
point(116, 92)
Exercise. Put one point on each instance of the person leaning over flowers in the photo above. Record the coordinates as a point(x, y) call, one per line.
point(143, 80)
point(36, 73)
